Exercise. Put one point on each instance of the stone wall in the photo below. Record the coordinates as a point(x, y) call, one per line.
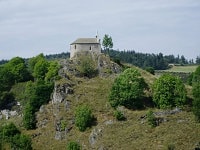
point(74, 48)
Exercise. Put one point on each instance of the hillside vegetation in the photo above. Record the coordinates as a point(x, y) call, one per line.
point(56, 127)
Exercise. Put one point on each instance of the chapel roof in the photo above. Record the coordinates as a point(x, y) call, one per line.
point(86, 41)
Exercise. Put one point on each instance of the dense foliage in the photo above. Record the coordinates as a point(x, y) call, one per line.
point(10, 73)
point(128, 89)
point(169, 91)
point(142, 60)
point(10, 135)
point(83, 117)
point(196, 93)
point(38, 93)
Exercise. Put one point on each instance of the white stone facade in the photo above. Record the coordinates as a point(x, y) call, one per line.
point(85, 44)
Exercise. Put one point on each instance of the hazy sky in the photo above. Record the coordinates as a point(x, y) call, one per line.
point(30, 27)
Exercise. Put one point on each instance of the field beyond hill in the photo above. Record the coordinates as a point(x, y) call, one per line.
point(186, 69)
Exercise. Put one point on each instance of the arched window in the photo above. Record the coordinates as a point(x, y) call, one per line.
point(90, 47)
point(75, 46)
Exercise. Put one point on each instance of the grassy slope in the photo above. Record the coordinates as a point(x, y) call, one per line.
point(181, 129)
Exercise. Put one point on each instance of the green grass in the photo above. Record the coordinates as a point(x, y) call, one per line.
point(186, 69)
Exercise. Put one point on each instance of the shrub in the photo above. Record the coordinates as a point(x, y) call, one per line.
point(83, 117)
point(63, 125)
point(119, 115)
point(128, 89)
point(151, 118)
point(8, 131)
point(73, 146)
point(169, 91)
point(150, 70)
point(22, 142)
point(171, 147)
point(86, 66)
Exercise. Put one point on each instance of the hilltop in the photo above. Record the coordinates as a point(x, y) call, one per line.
point(56, 119)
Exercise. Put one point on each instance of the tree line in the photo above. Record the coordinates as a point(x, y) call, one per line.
point(144, 60)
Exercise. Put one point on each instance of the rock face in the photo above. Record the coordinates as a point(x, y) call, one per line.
point(107, 67)
point(61, 91)
point(8, 113)
point(94, 136)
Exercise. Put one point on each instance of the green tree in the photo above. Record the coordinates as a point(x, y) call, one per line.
point(29, 119)
point(169, 91)
point(83, 117)
point(128, 89)
point(52, 71)
point(33, 61)
point(40, 69)
point(196, 93)
point(73, 146)
point(37, 94)
point(107, 43)
point(18, 68)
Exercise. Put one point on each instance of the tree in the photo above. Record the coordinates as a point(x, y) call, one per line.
point(40, 69)
point(196, 93)
point(107, 42)
point(198, 60)
point(33, 61)
point(52, 71)
point(169, 91)
point(29, 119)
point(128, 89)
point(83, 117)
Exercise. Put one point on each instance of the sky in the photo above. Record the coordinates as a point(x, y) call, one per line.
point(31, 27)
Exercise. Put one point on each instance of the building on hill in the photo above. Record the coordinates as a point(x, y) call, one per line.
point(85, 44)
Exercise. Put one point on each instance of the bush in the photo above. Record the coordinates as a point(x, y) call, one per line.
point(73, 146)
point(150, 70)
point(128, 90)
point(171, 147)
point(8, 131)
point(22, 142)
point(151, 118)
point(83, 117)
point(9, 134)
point(119, 115)
point(169, 91)
point(87, 66)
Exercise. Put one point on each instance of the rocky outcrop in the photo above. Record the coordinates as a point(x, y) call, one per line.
point(94, 136)
point(8, 113)
point(61, 91)
point(107, 67)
